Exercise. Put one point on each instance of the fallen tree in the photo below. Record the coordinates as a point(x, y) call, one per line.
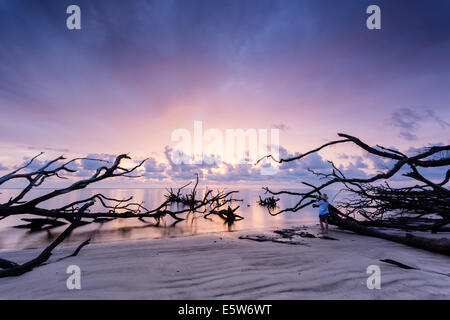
point(77, 213)
point(373, 207)
point(13, 269)
point(441, 245)
point(113, 208)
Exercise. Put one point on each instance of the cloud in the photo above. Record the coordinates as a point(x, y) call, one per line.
point(166, 171)
point(151, 165)
point(154, 170)
point(3, 168)
point(95, 160)
point(152, 57)
point(434, 174)
point(353, 171)
point(441, 122)
point(64, 150)
point(280, 126)
point(83, 168)
point(288, 172)
point(380, 164)
point(408, 136)
point(410, 120)
point(35, 165)
point(86, 167)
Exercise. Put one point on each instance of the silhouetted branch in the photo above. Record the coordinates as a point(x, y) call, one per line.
point(17, 270)
point(369, 203)
point(77, 214)
point(269, 202)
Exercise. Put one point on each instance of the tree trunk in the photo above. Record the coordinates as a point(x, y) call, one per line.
point(435, 245)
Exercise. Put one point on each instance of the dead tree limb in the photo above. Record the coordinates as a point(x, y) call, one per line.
point(269, 202)
point(76, 212)
point(115, 208)
point(441, 245)
point(228, 215)
point(18, 270)
point(369, 203)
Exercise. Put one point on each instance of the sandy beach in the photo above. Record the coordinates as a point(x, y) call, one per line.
point(223, 266)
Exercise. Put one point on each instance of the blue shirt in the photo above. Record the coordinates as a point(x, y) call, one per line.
point(323, 207)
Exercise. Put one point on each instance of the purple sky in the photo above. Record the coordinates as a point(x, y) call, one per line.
point(138, 70)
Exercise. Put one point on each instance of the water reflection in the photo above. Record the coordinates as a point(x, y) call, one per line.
point(132, 229)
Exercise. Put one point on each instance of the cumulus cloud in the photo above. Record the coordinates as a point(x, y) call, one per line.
point(35, 165)
point(166, 170)
point(93, 160)
point(154, 169)
point(288, 172)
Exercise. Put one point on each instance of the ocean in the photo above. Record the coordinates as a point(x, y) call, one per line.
point(255, 217)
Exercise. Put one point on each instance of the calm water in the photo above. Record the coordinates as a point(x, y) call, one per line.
point(127, 229)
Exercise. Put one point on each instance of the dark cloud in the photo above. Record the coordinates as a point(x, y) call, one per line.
point(409, 121)
point(143, 55)
point(406, 118)
point(441, 122)
point(407, 135)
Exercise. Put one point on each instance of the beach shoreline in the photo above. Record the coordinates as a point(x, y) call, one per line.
point(222, 266)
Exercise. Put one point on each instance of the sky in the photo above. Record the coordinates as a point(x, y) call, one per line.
point(139, 70)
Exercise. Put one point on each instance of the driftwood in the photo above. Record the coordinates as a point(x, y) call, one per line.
point(113, 208)
point(228, 215)
point(15, 269)
point(35, 224)
point(76, 214)
point(371, 205)
point(435, 245)
point(269, 202)
point(6, 264)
